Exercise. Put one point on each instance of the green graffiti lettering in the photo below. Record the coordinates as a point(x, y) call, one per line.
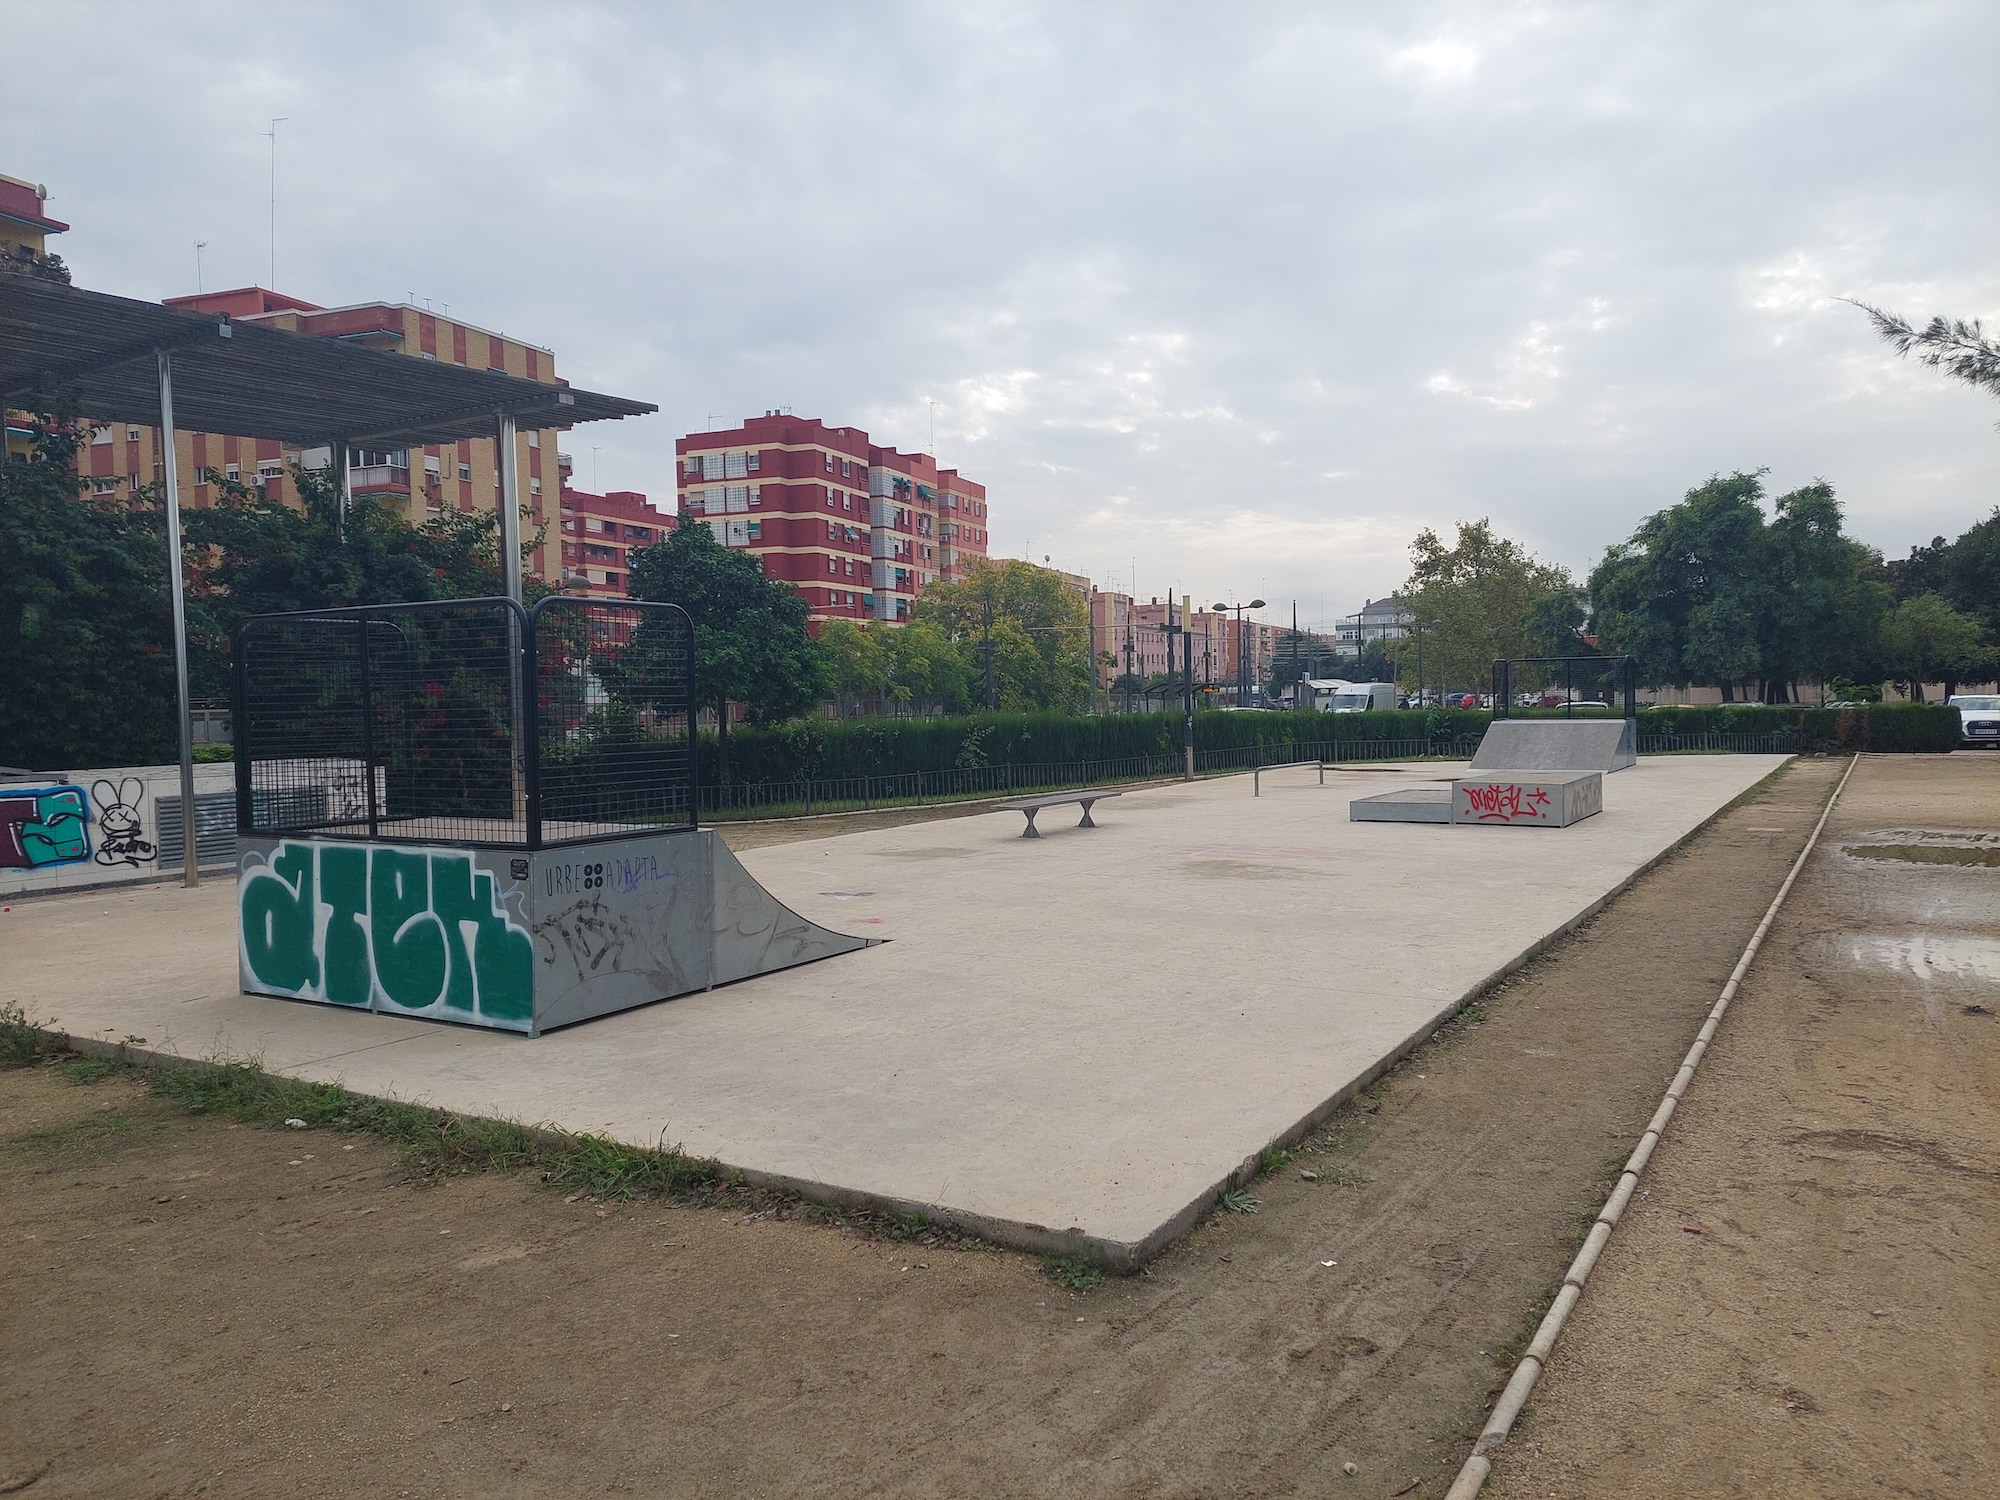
point(419, 929)
point(343, 886)
point(276, 914)
point(408, 938)
point(498, 981)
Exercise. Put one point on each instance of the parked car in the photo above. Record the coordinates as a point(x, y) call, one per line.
point(1978, 717)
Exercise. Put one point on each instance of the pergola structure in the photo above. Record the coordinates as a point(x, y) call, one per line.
point(120, 360)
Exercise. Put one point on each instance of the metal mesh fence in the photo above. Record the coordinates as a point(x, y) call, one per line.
point(614, 705)
point(391, 722)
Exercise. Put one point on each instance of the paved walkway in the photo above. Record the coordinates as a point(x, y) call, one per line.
point(1069, 1040)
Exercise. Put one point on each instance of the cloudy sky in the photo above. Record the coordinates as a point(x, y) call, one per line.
point(1230, 297)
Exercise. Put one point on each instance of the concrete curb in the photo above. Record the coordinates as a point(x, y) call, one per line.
point(1507, 1410)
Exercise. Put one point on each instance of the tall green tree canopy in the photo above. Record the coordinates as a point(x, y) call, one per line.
point(1040, 633)
point(1473, 600)
point(1708, 591)
point(86, 629)
point(751, 642)
point(1926, 640)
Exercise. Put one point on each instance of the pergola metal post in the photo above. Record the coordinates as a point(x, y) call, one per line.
point(191, 868)
point(510, 509)
point(510, 579)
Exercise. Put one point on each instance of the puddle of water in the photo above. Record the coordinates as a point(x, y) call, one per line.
point(1926, 956)
point(1969, 857)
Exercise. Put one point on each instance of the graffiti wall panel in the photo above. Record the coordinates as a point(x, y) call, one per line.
point(413, 931)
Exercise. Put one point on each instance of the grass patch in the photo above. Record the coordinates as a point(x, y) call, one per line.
point(1074, 1271)
point(89, 1067)
point(1239, 1201)
point(1273, 1158)
point(1345, 1177)
point(90, 1130)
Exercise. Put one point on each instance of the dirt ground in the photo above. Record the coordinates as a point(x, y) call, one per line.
point(1805, 1300)
point(187, 1307)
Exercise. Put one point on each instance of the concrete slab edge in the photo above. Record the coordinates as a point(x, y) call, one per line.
point(1478, 1466)
point(1119, 1255)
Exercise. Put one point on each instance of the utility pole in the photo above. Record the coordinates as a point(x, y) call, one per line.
point(1187, 682)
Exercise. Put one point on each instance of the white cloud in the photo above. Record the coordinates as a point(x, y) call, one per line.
point(1250, 293)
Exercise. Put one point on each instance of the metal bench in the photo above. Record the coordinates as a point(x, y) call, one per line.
point(1033, 805)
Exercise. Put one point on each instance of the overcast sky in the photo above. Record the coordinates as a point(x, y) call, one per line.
point(1236, 295)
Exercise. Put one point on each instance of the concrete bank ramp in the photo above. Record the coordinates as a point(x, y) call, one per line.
point(1557, 745)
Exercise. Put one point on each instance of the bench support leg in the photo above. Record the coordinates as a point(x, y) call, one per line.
point(1084, 821)
point(1030, 833)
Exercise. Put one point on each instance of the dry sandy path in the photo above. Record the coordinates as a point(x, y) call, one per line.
point(299, 1318)
point(1834, 1327)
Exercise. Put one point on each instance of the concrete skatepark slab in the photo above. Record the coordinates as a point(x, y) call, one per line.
point(1069, 1043)
point(1556, 745)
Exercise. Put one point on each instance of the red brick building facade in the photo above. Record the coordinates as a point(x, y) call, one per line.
point(859, 529)
point(599, 535)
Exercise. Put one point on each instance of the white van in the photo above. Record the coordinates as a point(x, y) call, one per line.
point(1357, 697)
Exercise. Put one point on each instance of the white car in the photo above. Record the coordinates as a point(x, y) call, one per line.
point(1978, 718)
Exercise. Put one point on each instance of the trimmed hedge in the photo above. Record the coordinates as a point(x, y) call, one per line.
point(1923, 728)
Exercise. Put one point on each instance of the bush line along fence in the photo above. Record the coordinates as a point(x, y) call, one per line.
point(838, 765)
point(820, 765)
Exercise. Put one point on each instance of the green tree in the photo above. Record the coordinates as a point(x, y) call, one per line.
point(1708, 591)
point(1040, 632)
point(86, 621)
point(857, 667)
point(926, 670)
point(1925, 640)
point(751, 642)
point(1958, 346)
point(1474, 597)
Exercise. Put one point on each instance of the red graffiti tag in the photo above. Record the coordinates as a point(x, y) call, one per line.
point(1497, 803)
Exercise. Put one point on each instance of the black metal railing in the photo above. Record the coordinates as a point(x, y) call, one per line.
point(1543, 675)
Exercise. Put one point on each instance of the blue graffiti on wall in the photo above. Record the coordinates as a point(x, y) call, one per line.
point(44, 825)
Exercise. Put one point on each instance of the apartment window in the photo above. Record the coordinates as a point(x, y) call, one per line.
point(268, 470)
point(735, 465)
point(432, 466)
point(756, 531)
point(693, 466)
point(465, 473)
point(846, 469)
point(711, 466)
point(104, 484)
point(737, 498)
point(230, 471)
point(100, 435)
point(756, 494)
point(534, 438)
point(756, 461)
point(832, 532)
point(639, 533)
point(847, 566)
point(832, 566)
point(131, 432)
point(534, 486)
point(133, 479)
point(847, 502)
point(829, 462)
point(592, 523)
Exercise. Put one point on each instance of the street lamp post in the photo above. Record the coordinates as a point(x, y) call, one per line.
point(1242, 662)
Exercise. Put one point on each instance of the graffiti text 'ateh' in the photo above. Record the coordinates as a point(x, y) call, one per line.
point(418, 931)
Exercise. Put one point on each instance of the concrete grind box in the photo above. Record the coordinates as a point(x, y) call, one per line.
point(1528, 799)
point(509, 940)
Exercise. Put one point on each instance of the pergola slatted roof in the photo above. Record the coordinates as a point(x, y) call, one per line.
point(248, 380)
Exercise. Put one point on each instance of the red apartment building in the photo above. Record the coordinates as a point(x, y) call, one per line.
point(418, 482)
point(599, 535)
point(861, 530)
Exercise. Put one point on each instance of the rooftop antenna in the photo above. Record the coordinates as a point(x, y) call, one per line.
point(199, 246)
point(593, 471)
point(933, 429)
point(273, 134)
